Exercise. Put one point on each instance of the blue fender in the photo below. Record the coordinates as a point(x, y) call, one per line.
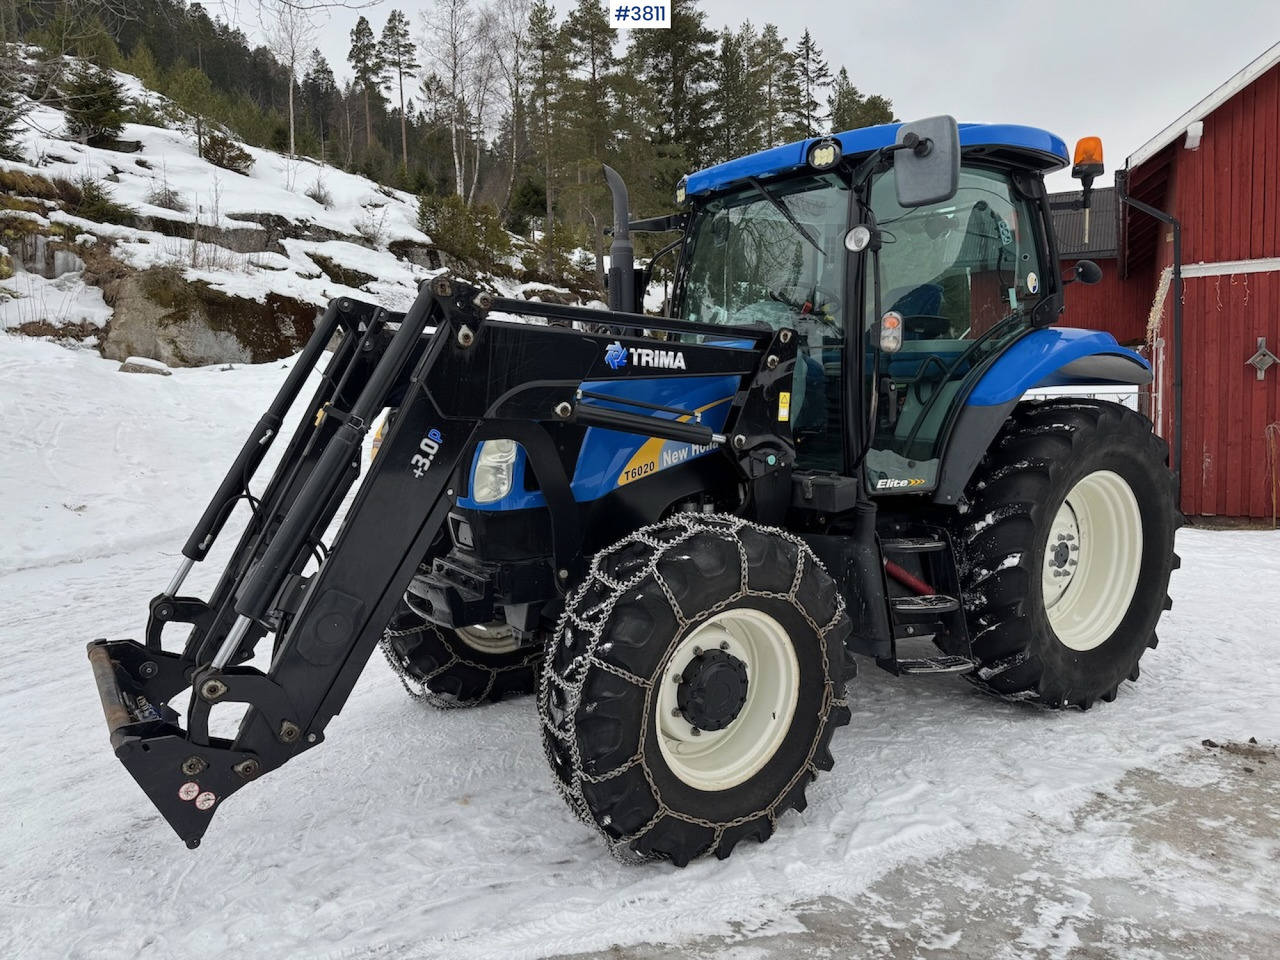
point(1058, 356)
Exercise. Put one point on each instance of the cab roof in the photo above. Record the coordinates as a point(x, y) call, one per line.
point(1024, 146)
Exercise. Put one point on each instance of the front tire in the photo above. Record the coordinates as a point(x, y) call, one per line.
point(693, 686)
point(1066, 552)
point(457, 668)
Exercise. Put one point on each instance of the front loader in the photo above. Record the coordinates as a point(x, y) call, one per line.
point(682, 529)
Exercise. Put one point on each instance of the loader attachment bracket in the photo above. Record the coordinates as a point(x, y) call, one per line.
point(185, 781)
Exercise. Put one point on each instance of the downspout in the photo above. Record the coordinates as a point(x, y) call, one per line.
point(1175, 454)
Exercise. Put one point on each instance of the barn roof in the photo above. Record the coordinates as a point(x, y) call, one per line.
point(1068, 224)
point(1212, 102)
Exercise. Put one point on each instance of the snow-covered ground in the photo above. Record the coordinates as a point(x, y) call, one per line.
point(414, 833)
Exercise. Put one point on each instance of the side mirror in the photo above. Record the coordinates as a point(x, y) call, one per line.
point(1086, 272)
point(927, 161)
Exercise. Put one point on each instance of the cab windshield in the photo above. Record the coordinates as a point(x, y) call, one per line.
point(774, 254)
point(752, 263)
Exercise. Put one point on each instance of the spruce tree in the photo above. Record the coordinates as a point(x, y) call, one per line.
point(590, 38)
point(320, 89)
point(95, 105)
point(735, 102)
point(396, 54)
point(13, 108)
point(850, 109)
point(367, 66)
point(773, 69)
point(813, 77)
point(676, 65)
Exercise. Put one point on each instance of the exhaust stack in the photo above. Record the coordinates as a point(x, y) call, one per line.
point(622, 260)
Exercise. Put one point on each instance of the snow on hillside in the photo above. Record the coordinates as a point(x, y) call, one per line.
point(359, 220)
point(414, 833)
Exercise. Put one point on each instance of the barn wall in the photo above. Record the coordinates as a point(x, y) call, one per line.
point(1226, 192)
point(1226, 409)
point(1227, 196)
point(1117, 306)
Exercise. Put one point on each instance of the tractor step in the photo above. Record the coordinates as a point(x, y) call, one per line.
point(937, 665)
point(913, 545)
point(920, 608)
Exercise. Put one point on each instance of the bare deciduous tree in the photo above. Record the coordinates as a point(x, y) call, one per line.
point(510, 43)
point(289, 35)
point(455, 45)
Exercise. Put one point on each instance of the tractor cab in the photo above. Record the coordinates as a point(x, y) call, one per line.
point(901, 298)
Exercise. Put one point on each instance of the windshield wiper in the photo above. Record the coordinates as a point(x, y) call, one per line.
point(782, 209)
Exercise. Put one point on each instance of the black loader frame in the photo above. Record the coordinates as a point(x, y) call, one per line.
point(473, 378)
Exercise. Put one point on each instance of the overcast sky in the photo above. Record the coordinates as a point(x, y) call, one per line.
point(1122, 70)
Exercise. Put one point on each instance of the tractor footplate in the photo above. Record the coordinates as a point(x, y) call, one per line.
point(937, 665)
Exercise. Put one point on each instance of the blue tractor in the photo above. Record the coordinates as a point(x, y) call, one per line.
point(682, 531)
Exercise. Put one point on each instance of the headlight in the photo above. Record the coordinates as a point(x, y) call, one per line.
point(494, 469)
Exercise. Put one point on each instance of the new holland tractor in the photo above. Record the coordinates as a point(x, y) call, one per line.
point(681, 531)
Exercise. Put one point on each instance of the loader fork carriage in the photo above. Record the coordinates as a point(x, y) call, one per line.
point(472, 379)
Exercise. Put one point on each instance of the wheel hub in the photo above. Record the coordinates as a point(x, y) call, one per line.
point(713, 688)
point(1092, 559)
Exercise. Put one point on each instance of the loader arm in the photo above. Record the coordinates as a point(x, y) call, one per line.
point(469, 380)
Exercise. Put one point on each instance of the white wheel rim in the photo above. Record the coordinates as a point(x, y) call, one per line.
point(720, 759)
point(490, 638)
point(1092, 559)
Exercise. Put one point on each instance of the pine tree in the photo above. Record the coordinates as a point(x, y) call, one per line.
point(367, 65)
point(549, 80)
point(190, 89)
point(142, 64)
point(813, 77)
point(850, 109)
point(396, 54)
point(95, 105)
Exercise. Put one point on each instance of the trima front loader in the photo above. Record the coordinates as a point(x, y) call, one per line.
point(681, 529)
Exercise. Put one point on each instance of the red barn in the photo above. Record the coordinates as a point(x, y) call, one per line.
point(1214, 173)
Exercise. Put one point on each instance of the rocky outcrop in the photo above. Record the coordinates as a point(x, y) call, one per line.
point(160, 315)
point(422, 254)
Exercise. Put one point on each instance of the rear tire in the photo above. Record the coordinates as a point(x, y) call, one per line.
point(457, 668)
point(700, 623)
point(1066, 552)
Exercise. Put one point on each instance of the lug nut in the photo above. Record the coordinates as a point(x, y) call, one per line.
point(695, 732)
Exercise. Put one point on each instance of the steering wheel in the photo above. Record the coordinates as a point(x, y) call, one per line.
point(815, 297)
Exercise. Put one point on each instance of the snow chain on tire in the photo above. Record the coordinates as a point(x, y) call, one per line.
point(507, 676)
point(585, 680)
